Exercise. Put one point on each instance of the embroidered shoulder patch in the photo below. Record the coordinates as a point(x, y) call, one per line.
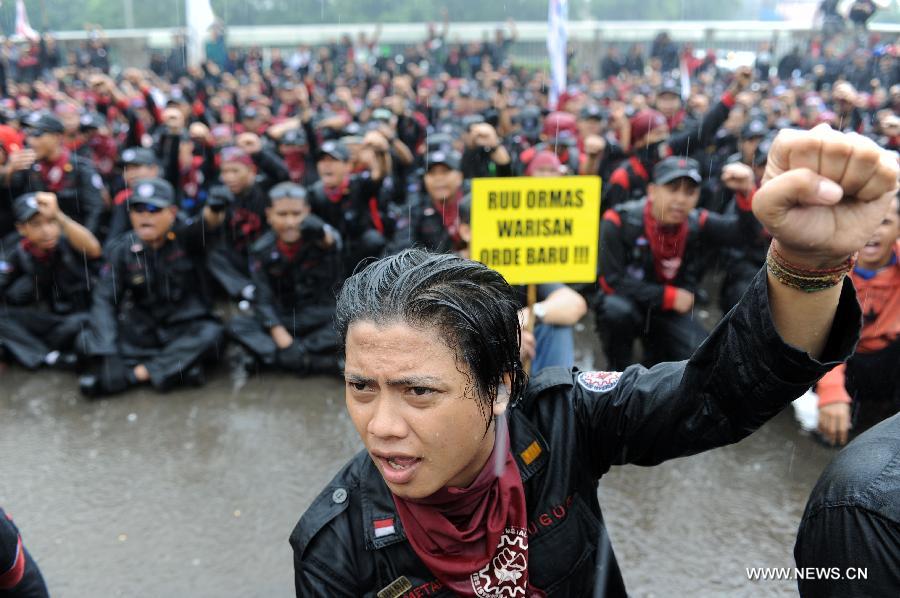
point(599, 381)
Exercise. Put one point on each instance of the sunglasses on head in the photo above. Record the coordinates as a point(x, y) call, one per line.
point(142, 208)
point(295, 193)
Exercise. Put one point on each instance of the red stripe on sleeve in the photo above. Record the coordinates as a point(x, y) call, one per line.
point(668, 301)
point(613, 216)
point(11, 578)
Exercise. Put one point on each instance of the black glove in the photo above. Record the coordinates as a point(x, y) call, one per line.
point(312, 228)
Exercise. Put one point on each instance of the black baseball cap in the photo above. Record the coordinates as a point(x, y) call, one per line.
point(449, 159)
point(335, 149)
point(138, 156)
point(592, 112)
point(669, 86)
point(287, 190)
point(676, 167)
point(754, 128)
point(43, 122)
point(25, 207)
point(293, 137)
point(91, 120)
point(155, 192)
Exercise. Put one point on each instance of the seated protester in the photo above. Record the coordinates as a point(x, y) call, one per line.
point(271, 168)
point(852, 520)
point(651, 263)
point(866, 389)
point(651, 141)
point(741, 263)
point(188, 161)
point(45, 288)
point(480, 482)
point(434, 217)
point(296, 270)
point(49, 166)
point(602, 151)
point(485, 155)
point(20, 576)
point(349, 202)
point(245, 222)
point(149, 320)
point(551, 343)
point(294, 148)
point(137, 163)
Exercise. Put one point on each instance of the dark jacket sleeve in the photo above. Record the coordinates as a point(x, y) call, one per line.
point(264, 301)
point(701, 135)
point(734, 229)
point(89, 195)
point(740, 377)
point(271, 165)
point(104, 330)
point(19, 574)
point(613, 265)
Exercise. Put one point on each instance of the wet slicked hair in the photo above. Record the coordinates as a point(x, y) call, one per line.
point(470, 306)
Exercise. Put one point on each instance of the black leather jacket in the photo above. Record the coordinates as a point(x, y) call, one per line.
point(566, 432)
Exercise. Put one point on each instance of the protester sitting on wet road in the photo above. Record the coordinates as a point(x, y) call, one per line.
point(20, 576)
point(151, 320)
point(850, 529)
point(434, 216)
point(296, 270)
point(867, 389)
point(45, 285)
point(433, 373)
point(651, 262)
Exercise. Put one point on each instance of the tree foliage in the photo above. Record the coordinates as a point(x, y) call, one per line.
point(73, 14)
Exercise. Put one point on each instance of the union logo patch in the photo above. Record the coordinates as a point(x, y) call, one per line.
point(599, 381)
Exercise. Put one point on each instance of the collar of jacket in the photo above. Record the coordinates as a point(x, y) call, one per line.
point(528, 445)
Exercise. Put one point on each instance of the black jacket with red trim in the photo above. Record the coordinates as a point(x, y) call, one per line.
point(19, 574)
point(567, 431)
point(356, 211)
point(626, 259)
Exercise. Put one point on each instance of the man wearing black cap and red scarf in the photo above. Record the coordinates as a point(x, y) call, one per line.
point(434, 221)
point(477, 482)
point(349, 202)
point(651, 263)
point(651, 141)
point(151, 319)
point(49, 166)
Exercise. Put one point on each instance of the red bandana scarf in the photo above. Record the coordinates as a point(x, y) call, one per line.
point(289, 250)
point(53, 173)
point(474, 539)
point(667, 243)
point(449, 211)
point(336, 194)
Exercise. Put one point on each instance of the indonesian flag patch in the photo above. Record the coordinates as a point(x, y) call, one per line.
point(599, 381)
point(384, 527)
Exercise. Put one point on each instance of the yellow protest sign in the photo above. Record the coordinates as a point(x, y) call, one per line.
point(535, 230)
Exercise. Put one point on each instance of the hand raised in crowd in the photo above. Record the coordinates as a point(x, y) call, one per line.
point(739, 178)
point(743, 76)
point(594, 145)
point(824, 193)
point(47, 205)
point(200, 132)
point(22, 159)
point(834, 422)
point(684, 301)
point(249, 142)
point(174, 120)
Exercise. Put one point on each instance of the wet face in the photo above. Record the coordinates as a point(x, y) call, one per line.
point(41, 231)
point(414, 406)
point(877, 252)
point(285, 216)
point(237, 176)
point(672, 203)
point(442, 182)
point(332, 171)
point(150, 223)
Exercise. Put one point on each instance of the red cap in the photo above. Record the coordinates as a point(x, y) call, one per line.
point(10, 139)
point(645, 121)
point(557, 122)
point(543, 159)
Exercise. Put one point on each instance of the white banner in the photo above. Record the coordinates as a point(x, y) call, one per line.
point(200, 18)
point(23, 28)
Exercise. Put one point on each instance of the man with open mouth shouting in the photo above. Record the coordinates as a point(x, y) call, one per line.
point(476, 482)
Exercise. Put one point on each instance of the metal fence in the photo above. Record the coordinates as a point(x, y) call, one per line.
point(588, 39)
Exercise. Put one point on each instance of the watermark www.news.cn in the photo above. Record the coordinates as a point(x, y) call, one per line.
point(806, 573)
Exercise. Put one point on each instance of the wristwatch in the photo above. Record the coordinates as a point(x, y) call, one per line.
point(540, 311)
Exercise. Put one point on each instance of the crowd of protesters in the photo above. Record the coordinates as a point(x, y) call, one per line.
point(160, 220)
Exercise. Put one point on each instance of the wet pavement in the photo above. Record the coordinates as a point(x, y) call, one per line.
point(194, 493)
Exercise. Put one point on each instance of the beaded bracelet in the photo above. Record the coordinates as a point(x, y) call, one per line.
point(808, 281)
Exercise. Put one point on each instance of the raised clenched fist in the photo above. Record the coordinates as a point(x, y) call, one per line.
point(824, 193)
